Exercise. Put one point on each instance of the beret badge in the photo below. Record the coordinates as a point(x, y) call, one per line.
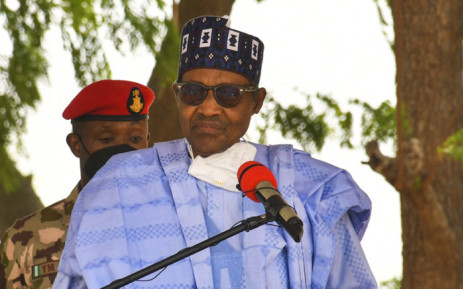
point(135, 102)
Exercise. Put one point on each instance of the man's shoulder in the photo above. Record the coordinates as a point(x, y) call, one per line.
point(308, 159)
point(286, 152)
point(129, 160)
point(36, 240)
point(305, 166)
point(46, 222)
point(24, 229)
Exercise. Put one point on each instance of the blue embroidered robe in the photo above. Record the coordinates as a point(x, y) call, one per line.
point(143, 206)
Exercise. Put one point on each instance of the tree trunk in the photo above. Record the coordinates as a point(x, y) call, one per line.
point(17, 204)
point(164, 121)
point(428, 49)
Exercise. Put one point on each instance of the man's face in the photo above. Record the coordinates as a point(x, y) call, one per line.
point(209, 127)
point(97, 135)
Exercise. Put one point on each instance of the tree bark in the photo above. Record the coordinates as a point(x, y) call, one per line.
point(428, 49)
point(17, 204)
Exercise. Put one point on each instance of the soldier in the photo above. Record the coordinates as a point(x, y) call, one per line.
point(107, 117)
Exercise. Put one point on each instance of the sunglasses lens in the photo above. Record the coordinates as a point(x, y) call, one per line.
point(228, 95)
point(225, 95)
point(192, 94)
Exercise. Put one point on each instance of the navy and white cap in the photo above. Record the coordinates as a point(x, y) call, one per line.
point(209, 42)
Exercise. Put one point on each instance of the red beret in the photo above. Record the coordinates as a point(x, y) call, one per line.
point(111, 100)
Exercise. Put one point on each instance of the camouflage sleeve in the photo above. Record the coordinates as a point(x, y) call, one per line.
point(5, 259)
point(10, 271)
point(31, 248)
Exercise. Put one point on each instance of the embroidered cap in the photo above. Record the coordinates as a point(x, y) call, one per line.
point(209, 42)
point(118, 100)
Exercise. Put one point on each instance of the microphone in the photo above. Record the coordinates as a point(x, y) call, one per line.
point(258, 183)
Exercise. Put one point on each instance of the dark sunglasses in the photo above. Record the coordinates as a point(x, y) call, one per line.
point(226, 95)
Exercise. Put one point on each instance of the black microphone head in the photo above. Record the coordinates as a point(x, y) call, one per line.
point(294, 227)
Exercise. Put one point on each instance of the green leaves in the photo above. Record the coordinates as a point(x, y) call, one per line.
point(304, 124)
point(310, 128)
point(394, 283)
point(22, 67)
point(453, 146)
point(378, 123)
point(86, 27)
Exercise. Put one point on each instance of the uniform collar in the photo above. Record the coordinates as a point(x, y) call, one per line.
point(69, 204)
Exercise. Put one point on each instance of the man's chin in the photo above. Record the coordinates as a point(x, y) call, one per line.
point(207, 146)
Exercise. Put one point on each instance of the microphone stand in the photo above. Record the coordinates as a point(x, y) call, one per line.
point(245, 225)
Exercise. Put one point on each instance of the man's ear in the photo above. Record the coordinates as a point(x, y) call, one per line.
point(259, 99)
point(73, 142)
point(175, 88)
point(177, 99)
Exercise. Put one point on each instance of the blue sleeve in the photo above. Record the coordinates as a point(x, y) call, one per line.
point(338, 211)
point(349, 268)
point(69, 272)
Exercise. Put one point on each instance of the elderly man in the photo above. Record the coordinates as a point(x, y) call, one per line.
point(147, 205)
point(107, 117)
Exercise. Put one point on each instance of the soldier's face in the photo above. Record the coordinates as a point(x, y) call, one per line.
point(100, 134)
point(96, 135)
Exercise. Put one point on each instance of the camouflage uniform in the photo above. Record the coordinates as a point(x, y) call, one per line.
point(31, 248)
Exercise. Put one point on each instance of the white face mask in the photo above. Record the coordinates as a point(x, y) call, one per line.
point(220, 169)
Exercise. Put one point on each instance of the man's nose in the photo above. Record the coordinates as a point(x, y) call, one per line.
point(209, 106)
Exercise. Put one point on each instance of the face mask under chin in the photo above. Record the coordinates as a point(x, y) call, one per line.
point(98, 158)
point(220, 169)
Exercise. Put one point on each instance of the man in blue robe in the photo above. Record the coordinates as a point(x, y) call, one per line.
point(146, 205)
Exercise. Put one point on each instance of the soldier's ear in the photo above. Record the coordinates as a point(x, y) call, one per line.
point(73, 142)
